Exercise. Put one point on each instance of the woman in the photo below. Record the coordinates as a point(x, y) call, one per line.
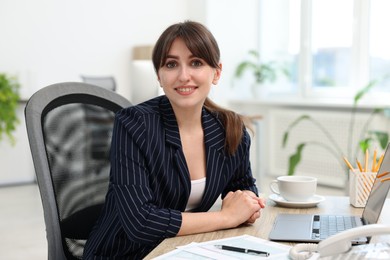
point(174, 155)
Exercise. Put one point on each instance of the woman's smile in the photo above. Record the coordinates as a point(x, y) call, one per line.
point(185, 90)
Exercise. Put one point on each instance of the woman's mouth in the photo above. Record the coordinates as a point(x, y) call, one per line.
point(185, 90)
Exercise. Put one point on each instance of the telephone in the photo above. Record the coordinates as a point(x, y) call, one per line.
point(339, 243)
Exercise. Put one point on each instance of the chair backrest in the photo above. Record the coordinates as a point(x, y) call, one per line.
point(101, 81)
point(69, 127)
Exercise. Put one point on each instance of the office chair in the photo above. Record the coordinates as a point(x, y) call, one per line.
point(104, 82)
point(69, 127)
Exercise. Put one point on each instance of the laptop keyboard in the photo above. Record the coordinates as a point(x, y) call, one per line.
point(327, 225)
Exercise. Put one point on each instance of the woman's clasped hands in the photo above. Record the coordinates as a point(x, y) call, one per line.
point(241, 207)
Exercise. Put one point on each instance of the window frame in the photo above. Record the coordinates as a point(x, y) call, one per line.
point(359, 74)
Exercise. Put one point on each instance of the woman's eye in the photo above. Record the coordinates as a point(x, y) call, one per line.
point(171, 64)
point(196, 63)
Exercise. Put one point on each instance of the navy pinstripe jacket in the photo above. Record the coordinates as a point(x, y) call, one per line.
point(150, 183)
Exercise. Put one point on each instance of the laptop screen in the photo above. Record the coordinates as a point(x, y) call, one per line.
point(379, 191)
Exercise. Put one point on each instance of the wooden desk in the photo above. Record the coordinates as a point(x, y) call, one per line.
point(262, 227)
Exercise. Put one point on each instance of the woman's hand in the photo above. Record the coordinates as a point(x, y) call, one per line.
point(261, 202)
point(241, 206)
point(237, 208)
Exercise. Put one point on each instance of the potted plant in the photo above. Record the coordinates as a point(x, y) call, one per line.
point(262, 71)
point(367, 135)
point(9, 98)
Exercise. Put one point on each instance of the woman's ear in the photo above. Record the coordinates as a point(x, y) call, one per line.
point(159, 80)
point(217, 74)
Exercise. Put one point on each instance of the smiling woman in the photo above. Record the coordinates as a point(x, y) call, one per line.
point(174, 155)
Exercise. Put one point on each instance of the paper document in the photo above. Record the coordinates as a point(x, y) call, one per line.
point(207, 250)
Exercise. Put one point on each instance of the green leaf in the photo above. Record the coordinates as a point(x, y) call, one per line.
point(291, 126)
point(262, 71)
point(285, 138)
point(242, 67)
point(254, 53)
point(378, 110)
point(360, 94)
point(295, 159)
point(364, 144)
point(383, 138)
point(296, 121)
point(9, 97)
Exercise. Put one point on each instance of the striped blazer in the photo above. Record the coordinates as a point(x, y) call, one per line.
point(150, 183)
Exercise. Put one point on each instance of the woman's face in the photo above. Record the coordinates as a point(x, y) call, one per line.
point(186, 79)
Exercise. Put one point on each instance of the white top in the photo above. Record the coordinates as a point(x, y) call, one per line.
point(197, 190)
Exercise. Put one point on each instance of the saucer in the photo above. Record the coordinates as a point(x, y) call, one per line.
point(291, 204)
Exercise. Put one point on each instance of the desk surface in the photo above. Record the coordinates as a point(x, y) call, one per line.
point(262, 227)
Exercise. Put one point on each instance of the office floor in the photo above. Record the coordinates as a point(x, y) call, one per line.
point(22, 226)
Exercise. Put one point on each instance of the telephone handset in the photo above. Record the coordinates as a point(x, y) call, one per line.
point(337, 244)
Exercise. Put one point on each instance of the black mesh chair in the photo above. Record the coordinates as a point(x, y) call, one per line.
point(100, 81)
point(69, 127)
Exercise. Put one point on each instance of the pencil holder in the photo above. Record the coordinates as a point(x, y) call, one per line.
point(360, 184)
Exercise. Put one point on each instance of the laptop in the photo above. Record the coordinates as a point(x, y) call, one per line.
point(313, 228)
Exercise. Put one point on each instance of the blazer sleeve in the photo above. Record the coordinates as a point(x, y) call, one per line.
point(242, 178)
point(142, 220)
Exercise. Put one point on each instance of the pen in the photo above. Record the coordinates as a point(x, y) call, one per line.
point(242, 250)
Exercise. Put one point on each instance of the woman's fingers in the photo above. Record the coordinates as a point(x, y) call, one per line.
point(253, 218)
point(245, 204)
point(240, 207)
point(261, 201)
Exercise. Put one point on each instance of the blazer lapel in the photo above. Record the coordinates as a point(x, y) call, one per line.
point(172, 137)
point(216, 160)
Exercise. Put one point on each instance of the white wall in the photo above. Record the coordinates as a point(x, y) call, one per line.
point(235, 26)
point(51, 41)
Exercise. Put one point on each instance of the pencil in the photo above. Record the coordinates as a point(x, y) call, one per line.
point(359, 165)
point(349, 164)
point(379, 163)
point(374, 162)
point(382, 174)
point(385, 179)
point(366, 161)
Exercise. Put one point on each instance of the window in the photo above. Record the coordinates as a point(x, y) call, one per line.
point(379, 44)
point(331, 42)
point(332, 48)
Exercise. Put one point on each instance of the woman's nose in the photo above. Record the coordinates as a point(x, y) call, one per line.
point(184, 74)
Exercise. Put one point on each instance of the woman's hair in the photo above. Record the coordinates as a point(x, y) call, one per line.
point(202, 44)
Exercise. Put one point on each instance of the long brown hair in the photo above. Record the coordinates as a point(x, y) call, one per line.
point(202, 44)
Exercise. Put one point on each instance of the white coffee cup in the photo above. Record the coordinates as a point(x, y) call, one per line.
point(294, 188)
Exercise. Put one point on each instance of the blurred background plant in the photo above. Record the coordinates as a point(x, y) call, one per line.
point(9, 98)
point(262, 71)
point(367, 135)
